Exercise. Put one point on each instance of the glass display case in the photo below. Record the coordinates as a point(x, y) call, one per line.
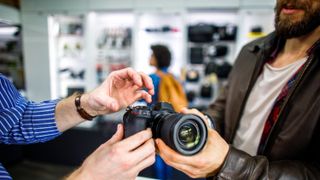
point(11, 58)
point(67, 55)
point(211, 37)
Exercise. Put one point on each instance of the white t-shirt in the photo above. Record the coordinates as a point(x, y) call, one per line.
point(260, 102)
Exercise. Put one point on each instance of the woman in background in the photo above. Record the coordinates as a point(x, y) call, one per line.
point(160, 59)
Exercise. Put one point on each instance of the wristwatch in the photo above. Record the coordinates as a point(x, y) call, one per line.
point(80, 110)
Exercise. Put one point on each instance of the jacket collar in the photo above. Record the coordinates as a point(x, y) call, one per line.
point(265, 44)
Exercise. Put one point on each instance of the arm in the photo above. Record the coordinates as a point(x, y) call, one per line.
point(119, 90)
point(23, 121)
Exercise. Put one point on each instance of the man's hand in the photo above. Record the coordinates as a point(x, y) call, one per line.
point(204, 164)
point(120, 89)
point(119, 159)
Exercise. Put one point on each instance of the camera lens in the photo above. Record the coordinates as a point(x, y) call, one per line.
point(188, 135)
point(185, 133)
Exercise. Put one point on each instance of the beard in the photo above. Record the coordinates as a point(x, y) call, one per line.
point(287, 28)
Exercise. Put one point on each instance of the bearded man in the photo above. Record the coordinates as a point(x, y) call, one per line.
point(268, 116)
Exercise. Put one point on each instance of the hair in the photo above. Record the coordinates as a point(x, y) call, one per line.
point(162, 55)
point(289, 29)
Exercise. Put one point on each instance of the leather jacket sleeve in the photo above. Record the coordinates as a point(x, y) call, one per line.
point(240, 165)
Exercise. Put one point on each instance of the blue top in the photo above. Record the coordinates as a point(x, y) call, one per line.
point(156, 81)
point(23, 121)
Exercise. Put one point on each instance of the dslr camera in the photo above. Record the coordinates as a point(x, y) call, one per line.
point(185, 133)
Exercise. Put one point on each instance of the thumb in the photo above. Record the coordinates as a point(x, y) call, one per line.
point(117, 136)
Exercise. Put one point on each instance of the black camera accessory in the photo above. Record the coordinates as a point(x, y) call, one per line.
point(256, 32)
point(185, 133)
point(227, 32)
point(217, 51)
point(206, 91)
point(222, 69)
point(211, 67)
point(192, 75)
point(80, 110)
point(196, 55)
point(201, 33)
point(257, 29)
point(191, 95)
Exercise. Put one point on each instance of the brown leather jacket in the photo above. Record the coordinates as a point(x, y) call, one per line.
point(293, 147)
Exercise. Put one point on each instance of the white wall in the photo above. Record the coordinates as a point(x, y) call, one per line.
point(36, 56)
point(9, 14)
point(34, 19)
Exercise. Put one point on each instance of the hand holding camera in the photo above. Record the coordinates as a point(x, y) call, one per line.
point(185, 133)
point(206, 162)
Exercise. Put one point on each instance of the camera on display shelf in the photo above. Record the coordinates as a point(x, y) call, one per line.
point(185, 133)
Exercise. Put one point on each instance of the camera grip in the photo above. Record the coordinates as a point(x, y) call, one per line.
point(133, 126)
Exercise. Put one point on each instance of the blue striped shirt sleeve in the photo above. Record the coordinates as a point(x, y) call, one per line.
point(4, 175)
point(22, 121)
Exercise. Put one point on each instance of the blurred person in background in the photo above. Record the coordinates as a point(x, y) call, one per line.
point(268, 116)
point(167, 89)
point(25, 122)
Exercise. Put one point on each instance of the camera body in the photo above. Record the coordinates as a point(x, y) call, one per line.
point(185, 133)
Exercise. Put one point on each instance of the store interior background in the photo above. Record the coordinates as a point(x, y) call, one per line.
point(51, 48)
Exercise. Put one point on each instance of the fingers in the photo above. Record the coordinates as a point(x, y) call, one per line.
point(135, 76)
point(147, 81)
point(142, 157)
point(193, 111)
point(129, 73)
point(144, 150)
point(143, 95)
point(170, 156)
point(136, 140)
point(148, 161)
point(139, 78)
point(174, 159)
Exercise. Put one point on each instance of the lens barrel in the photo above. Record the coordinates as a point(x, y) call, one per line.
point(187, 134)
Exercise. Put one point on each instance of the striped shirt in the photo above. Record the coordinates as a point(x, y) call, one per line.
point(23, 121)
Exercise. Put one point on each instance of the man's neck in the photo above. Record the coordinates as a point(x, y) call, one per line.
point(302, 44)
point(296, 48)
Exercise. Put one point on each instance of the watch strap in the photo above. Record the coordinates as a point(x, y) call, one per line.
point(80, 110)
